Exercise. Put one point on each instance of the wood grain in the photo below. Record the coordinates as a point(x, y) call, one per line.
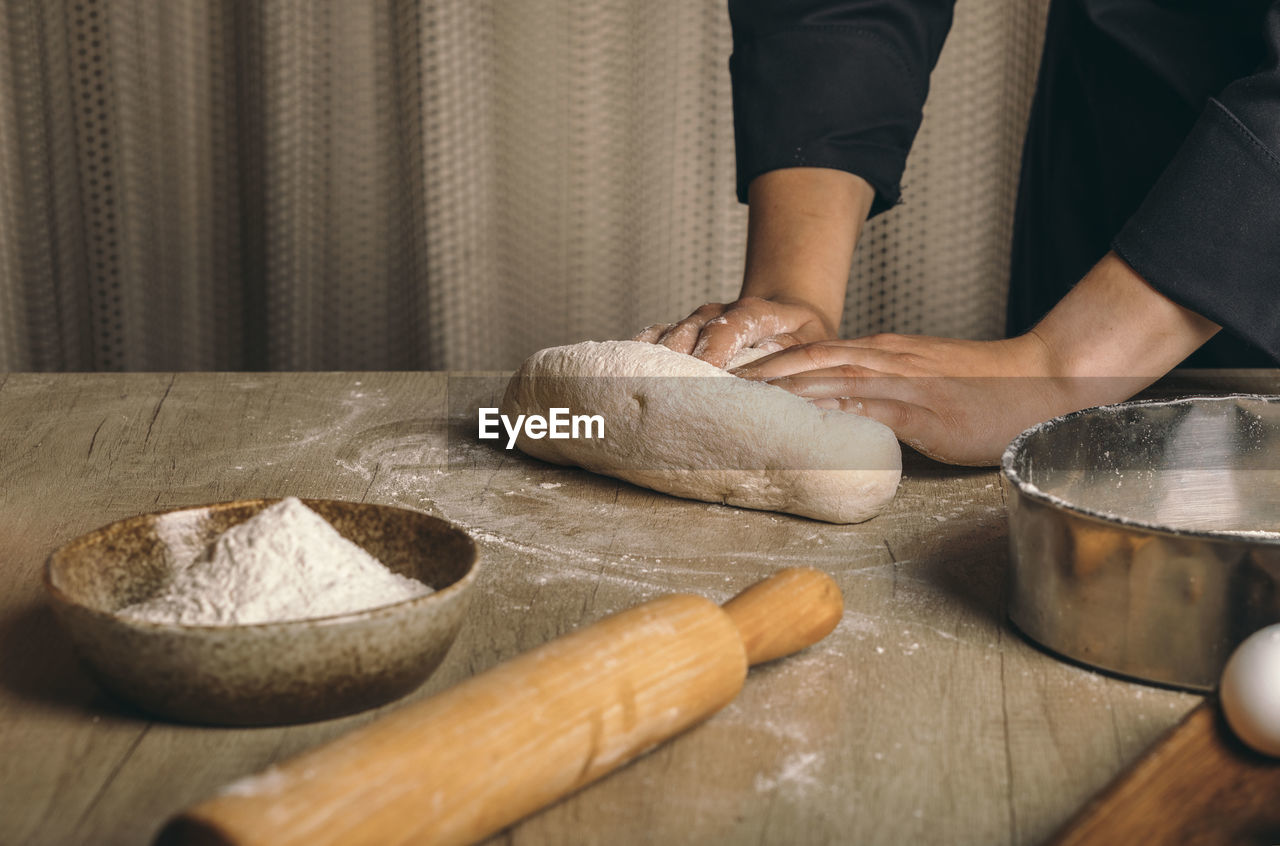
point(456, 767)
point(1198, 786)
point(922, 718)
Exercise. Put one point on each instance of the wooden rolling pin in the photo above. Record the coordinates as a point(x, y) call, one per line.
point(468, 762)
point(1197, 786)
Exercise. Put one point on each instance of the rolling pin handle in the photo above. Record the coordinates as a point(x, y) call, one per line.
point(790, 610)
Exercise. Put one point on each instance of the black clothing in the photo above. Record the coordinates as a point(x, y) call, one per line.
point(1155, 132)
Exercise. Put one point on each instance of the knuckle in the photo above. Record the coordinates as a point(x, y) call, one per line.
point(814, 354)
point(887, 340)
point(653, 330)
point(849, 371)
point(898, 414)
point(717, 324)
point(786, 339)
point(912, 361)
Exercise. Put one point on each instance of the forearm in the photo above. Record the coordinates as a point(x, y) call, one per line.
point(803, 226)
point(1115, 326)
point(963, 401)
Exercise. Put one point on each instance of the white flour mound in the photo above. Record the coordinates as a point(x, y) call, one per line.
point(284, 563)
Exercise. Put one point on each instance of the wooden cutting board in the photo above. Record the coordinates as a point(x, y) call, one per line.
point(1198, 785)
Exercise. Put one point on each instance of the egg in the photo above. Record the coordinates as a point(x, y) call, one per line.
point(1250, 691)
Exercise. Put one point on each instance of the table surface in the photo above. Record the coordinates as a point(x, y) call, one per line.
point(923, 718)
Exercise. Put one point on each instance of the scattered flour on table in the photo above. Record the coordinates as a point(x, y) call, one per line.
point(284, 563)
point(798, 770)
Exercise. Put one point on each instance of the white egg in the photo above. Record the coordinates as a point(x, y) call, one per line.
point(1250, 690)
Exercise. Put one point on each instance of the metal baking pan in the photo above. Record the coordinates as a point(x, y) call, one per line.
point(1145, 536)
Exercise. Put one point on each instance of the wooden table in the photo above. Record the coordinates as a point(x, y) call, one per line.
point(924, 718)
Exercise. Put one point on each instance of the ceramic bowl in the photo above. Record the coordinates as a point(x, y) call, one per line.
point(269, 673)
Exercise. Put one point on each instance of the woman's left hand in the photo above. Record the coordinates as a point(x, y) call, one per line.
point(957, 401)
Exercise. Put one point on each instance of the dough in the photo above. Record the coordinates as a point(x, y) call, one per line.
point(678, 425)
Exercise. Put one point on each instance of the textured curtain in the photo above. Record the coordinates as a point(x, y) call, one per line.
point(389, 184)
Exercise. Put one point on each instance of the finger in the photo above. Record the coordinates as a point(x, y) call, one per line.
point(848, 380)
point(924, 430)
point(822, 355)
point(800, 358)
point(684, 335)
point(651, 334)
point(913, 424)
point(722, 338)
point(743, 324)
point(781, 341)
point(776, 343)
point(893, 413)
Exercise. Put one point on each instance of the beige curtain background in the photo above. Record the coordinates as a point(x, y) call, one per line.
point(388, 184)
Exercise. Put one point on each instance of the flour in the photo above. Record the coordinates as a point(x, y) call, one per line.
point(285, 563)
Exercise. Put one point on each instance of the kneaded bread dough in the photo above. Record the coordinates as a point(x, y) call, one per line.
point(682, 426)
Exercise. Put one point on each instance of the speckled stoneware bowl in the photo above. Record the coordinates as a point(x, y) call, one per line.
point(269, 673)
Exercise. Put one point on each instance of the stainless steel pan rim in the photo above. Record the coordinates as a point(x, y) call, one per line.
point(1145, 536)
point(1018, 446)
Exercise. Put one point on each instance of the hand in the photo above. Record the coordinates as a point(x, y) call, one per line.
point(956, 401)
point(716, 332)
point(803, 225)
point(963, 401)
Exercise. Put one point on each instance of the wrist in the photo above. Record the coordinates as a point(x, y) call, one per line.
point(782, 295)
point(1114, 334)
point(1115, 324)
point(802, 229)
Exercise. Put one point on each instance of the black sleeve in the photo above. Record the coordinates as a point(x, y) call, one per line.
point(1208, 234)
point(818, 83)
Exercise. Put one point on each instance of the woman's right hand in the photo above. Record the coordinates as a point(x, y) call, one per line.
point(716, 332)
point(803, 224)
